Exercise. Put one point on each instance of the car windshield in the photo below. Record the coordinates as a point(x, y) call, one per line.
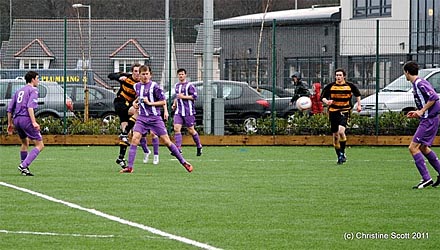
point(401, 84)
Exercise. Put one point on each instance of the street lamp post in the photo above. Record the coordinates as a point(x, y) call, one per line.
point(10, 17)
point(86, 91)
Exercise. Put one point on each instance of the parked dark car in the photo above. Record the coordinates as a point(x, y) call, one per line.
point(282, 107)
point(100, 101)
point(50, 98)
point(242, 104)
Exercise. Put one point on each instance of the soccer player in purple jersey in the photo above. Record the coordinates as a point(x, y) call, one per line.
point(21, 116)
point(428, 108)
point(127, 115)
point(184, 106)
point(149, 99)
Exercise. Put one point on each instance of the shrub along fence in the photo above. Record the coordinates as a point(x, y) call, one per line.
point(300, 129)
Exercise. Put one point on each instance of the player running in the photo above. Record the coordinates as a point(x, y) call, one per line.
point(186, 95)
point(149, 98)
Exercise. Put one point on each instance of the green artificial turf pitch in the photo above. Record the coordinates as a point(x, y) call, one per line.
point(260, 197)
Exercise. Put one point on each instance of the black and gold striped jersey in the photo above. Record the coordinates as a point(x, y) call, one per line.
point(341, 94)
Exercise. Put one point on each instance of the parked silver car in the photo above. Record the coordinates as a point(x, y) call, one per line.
point(398, 96)
point(50, 98)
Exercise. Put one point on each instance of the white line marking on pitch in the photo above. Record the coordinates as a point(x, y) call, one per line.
point(57, 234)
point(117, 219)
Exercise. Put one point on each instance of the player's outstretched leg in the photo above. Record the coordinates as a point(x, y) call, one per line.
point(131, 158)
point(175, 151)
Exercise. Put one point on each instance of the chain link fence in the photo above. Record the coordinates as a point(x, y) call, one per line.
point(253, 62)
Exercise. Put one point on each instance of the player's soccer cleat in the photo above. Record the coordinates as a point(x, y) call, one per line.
point(146, 156)
point(121, 163)
point(126, 171)
point(340, 160)
point(423, 184)
point(199, 151)
point(437, 183)
point(344, 158)
point(188, 166)
point(156, 159)
point(124, 139)
point(24, 171)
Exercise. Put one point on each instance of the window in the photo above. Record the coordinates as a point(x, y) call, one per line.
point(267, 94)
point(33, 64)
point(79, 94)
point(371, 8)
point(3, 91)
point(42, 91)
point(201, 94)
point(314, 69)
point(95, 95)
point(232, 91)
point(80, 64)
point(435, 81)
point(125, 65)
point(14, 88)
point(244, 70)
point(362, 71)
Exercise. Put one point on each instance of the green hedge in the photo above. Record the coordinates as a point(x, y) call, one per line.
point(391, 123)
point(298, 124)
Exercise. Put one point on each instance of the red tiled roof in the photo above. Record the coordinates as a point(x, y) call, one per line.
point(135, 43)
point(40, 43)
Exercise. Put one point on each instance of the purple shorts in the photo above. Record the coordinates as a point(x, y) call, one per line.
point(24, 128)
point(426, 131)
point(188, 121)
point(154, 123)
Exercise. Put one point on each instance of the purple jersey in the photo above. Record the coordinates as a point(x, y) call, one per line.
point(153, 93)
point(186, 107)
point(24, 98)
point(424, 92)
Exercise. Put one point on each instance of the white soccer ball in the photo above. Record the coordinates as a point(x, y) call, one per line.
point(304, 103)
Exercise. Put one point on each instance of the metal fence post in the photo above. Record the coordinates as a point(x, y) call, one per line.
point(274, 67)
point(377, 77)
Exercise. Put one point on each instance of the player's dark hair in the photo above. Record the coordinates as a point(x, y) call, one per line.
point(411, 68)
point(145, 68)
point(181, 70)
point(30, 75)
point(341, 70)
point(134, 65)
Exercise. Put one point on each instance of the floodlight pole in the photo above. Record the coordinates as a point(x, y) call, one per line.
point(208, 47)
point(89, 64)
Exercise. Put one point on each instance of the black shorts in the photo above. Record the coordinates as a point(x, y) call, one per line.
point(338, 118)
point(121, 108)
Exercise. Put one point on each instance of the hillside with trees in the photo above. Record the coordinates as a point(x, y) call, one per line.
point(191, 10)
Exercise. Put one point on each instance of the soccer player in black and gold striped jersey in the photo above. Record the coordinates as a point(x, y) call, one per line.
point(337, 96)
point(122, 103)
